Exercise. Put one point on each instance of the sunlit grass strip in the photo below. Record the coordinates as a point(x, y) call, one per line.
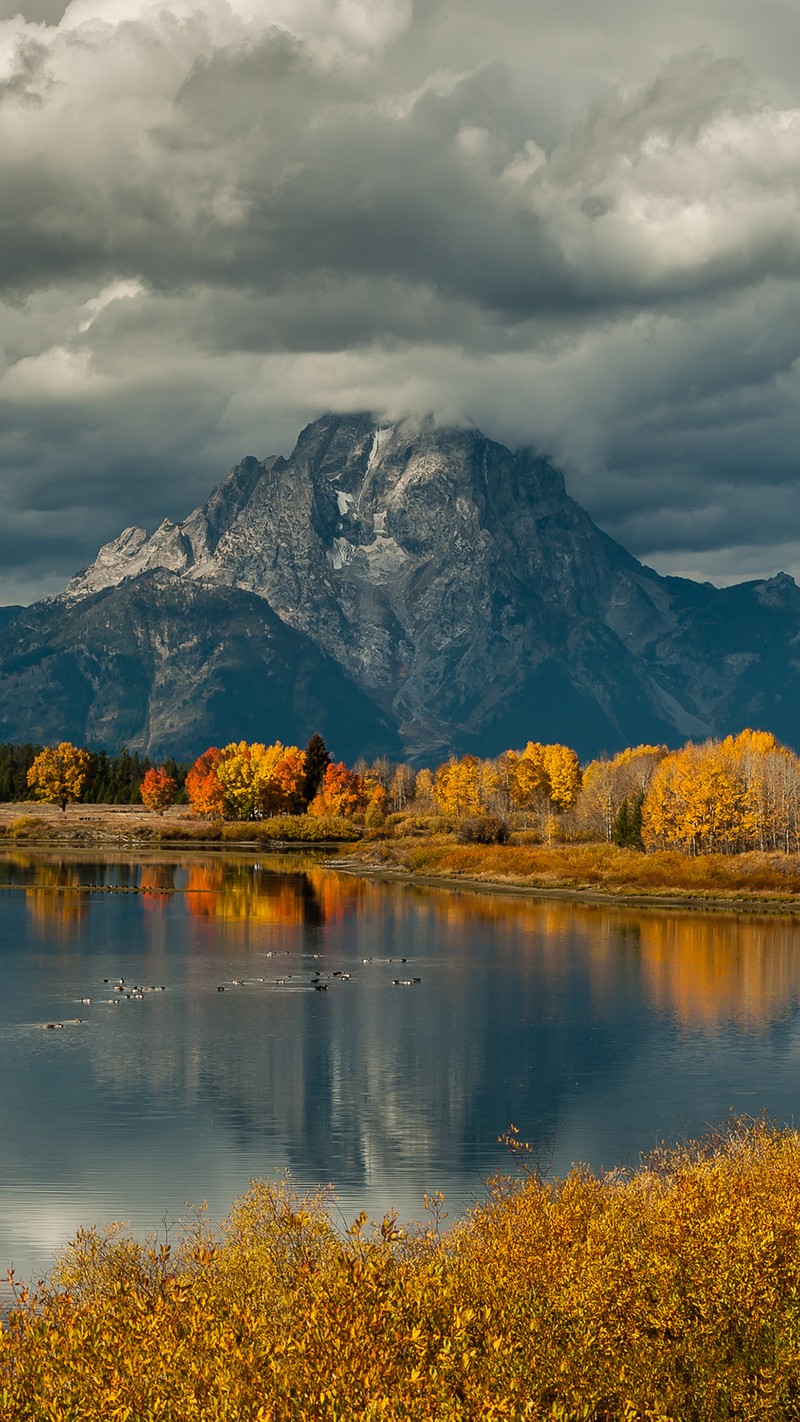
point(670, 1293)
point(600, 867)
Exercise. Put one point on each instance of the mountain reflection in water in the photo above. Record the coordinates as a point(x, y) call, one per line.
point(597, 1027)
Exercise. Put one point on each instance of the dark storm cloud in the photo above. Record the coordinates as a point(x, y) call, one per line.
point(573, 224)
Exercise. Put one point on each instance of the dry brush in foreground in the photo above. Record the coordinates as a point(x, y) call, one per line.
point(669, 1293)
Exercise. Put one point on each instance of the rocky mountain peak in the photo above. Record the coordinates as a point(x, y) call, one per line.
point(779, 591)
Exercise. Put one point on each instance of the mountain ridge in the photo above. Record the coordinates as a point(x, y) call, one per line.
point(465, 598)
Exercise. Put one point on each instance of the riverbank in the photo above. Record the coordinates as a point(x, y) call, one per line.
point(593, 873)
point(670, 1292)
point(134, 825)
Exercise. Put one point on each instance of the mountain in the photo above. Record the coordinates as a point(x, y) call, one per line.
point(170, 667)
point(407, 589)
point(7, 614)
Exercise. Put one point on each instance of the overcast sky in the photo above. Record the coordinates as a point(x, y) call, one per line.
point(574, 223)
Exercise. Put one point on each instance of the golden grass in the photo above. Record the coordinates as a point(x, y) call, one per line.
point(599, 867)
point(672, 1295)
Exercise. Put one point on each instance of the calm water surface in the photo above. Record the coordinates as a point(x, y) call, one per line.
point(597, 1030)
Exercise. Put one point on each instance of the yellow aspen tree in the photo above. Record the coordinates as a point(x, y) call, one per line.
point(445, 786)
point(529, 783)
point(598, 806)
point(457, 786)
point(697, 801)
point(505, 766)
point(375, 813)
point(268, 798)
point(728, 815)
point(607, 783)
point(564, 773)
point(236, 772)
point(771, 775)
point(58, 774)
point(402, 787)
point(663, 806)
point(490, 787)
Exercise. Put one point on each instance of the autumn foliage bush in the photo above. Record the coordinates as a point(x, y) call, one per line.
point(671, 1294)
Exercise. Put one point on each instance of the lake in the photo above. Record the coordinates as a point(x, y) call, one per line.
point(597, 1030)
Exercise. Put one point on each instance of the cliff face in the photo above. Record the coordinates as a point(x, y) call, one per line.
point(447, 593)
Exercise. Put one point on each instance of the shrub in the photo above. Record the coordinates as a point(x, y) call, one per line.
point(483, 829)
point(306, 829)
point(670, 1292)
point(375, 815)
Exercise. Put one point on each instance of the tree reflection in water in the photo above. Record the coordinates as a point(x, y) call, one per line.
point(602, 1024)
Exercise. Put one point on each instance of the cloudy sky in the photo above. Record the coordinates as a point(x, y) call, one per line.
point(575, 223)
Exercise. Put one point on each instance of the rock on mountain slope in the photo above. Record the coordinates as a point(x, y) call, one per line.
point(451, 588)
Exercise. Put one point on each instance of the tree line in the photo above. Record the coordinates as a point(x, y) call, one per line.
point(108, 779)
point(722, 796)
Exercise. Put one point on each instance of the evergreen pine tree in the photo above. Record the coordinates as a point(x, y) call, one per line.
point(627, 828)
point(621, 827)
point(317, 761)
point(635, 823)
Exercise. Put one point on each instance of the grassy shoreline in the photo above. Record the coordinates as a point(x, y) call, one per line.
point(594, 873)
point(754, 882)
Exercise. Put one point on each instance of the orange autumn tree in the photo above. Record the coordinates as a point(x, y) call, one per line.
point(203, 787)
point(157, 789)
point(341, 793)
point(285, 790)
point(58, 773)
